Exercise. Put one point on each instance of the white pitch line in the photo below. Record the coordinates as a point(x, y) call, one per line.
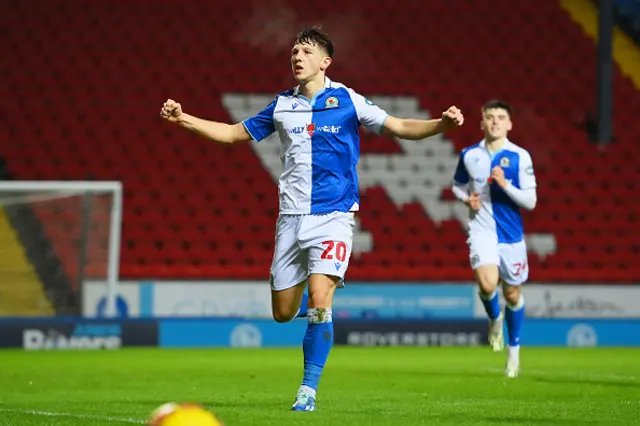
point(73, 415)
point(577, 375)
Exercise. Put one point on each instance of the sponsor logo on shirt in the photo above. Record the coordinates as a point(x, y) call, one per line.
point(312, 128)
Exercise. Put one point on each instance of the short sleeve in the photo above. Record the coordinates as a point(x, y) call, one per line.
point(461, 175)
point(261, 125)
point(526, 175)
point(370, 115)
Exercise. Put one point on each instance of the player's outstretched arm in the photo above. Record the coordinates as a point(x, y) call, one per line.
point(218, 132)
point(414, 129)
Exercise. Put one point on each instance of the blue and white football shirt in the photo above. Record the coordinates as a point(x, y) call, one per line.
point(499, 215)
point(321, 146)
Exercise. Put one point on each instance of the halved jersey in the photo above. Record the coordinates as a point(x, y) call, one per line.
point(499, 216)
point(321, 146)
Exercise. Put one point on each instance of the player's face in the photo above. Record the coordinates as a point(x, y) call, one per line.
point(496, 123)
point(307, 61)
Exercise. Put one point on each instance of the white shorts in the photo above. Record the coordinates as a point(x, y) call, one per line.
point(311, 244)
point(511, 259)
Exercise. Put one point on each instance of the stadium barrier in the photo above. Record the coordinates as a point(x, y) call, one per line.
point(359, 300)
point(253, 300)
point(66, 333)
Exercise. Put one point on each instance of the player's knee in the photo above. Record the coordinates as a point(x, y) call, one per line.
point(282, 315)
point(487, 278)
point(320, 299)
point(321, 291)
point(511, 294)
point(285, 303)
point(487, 284)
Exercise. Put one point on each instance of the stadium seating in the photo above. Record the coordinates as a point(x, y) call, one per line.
point(85, 80)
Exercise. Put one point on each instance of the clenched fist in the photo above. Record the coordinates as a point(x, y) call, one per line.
point(171, 110)
point(497, 176)
point(452, 118)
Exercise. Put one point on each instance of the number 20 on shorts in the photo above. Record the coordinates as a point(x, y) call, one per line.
point(337, 249)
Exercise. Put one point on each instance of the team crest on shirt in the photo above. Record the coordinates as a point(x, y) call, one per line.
point(331, 102)
point(529, 170)
point(504, 162)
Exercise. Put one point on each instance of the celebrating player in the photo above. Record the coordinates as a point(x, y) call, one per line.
point(317, 123)
point(495, 179)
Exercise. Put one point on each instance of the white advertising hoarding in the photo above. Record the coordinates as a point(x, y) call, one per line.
point(578, 301)
point(183, 298)
point(252, 299)
point(213, 299)
point(127, 303)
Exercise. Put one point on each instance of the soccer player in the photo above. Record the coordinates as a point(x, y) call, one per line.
point(495, 179)
point(317, 123)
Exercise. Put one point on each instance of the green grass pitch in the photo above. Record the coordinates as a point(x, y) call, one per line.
point(361, 386)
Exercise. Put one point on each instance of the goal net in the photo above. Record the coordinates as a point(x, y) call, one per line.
point(54, 237)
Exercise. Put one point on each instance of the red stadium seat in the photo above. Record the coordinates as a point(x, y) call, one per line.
point(195, 209)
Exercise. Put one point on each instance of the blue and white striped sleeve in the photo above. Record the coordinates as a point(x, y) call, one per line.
point(370, 115)
point(261, 125)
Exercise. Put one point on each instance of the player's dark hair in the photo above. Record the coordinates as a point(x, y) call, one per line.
point(497, 104)
point(315, 36)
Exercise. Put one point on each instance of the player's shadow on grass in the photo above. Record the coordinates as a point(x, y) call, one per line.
point(585, 381)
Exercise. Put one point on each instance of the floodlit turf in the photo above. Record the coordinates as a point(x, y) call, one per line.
point(361, 386)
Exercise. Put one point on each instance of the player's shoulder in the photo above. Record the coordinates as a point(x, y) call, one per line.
point(283, 100)
point(339, 90)
point(287, 94)
point(516, 149)
point(335, 88)
point(340, 95)
point(470, 149)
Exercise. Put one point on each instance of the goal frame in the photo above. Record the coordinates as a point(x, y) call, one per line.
point(115, 219)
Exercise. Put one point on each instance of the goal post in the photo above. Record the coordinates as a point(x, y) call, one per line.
point(54, 235)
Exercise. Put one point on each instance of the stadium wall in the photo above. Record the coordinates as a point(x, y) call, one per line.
point(237, 314)
point(251, 299)
point(74, 333)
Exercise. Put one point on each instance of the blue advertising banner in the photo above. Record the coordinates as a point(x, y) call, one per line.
point(580, 333)
point(231, 332)
point(65, 333)
point(405, 301)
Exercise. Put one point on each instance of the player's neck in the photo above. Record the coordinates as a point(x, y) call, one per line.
point(494, 145)
point(309, 88)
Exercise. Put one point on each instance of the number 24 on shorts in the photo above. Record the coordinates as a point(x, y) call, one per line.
point(339, 249)
point(520, 267)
